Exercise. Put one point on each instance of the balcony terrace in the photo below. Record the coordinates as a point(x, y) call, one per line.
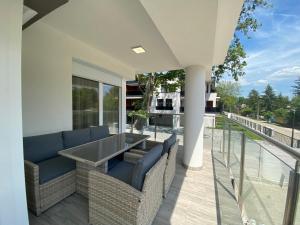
point(195, 197)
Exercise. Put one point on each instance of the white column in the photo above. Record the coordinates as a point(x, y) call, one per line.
point(194, 108)
point(13, 209)
point(123, 117)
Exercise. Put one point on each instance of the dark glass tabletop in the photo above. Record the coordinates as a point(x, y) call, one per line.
point(97, 152)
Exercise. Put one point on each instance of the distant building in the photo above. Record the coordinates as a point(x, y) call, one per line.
point(168, 102)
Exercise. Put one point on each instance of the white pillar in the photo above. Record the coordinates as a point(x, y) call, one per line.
point(194, 108)
point(123, 116)
point(13, 209)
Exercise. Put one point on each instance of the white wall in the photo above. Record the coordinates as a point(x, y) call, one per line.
point(13, 208)
point(47, 67)
point(175, 96)
point(211, 97)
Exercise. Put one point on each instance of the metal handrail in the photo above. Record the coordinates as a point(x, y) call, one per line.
point(281, 136)
point(289, 150)
point(293, 193)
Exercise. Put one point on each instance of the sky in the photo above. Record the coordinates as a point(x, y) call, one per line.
point(273, 52)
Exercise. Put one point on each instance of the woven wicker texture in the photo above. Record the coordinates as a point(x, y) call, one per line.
point(169, 174)
point(113, 202)
point(170, 168)
point(42, 197)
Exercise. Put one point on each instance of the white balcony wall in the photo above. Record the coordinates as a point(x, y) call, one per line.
point(47, 68)
point(13, 208)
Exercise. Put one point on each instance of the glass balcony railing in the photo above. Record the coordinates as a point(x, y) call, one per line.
point(266, 182)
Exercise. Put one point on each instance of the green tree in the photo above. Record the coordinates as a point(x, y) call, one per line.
point(253, 100)
point(296, 87)
point(228, 93)
point(246, 111)
point(295, 104)
point(269, 98)
point(241, 102)
point(235, 62)
point(281, 115)
point(281, 102)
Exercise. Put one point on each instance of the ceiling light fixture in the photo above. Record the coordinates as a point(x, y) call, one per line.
point(138, 49)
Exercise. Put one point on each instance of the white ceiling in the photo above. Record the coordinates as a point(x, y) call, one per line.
point(175, 33)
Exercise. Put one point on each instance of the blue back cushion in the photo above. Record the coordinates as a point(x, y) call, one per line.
point(76, 137)
point(143, 165)
point(168, 144)
point(42, 147)
point(99, 132)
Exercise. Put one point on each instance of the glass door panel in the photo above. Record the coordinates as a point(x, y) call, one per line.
point(111, 107)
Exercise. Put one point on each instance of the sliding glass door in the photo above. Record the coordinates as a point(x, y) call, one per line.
point(85, 103)
point(111, 107)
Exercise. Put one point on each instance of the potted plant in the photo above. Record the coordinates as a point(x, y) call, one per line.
point(139, 119)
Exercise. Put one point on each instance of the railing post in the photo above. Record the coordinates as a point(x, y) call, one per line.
point(132, 121)
point(292, 196)
point(242, 166)
point(155, 117)
point(212, 138)
point(228, 149)
point(259, 162)
point(223, 142)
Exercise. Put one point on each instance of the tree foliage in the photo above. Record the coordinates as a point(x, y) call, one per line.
point(235, 62)
point(228, 93)
point(296, 87)
point(253, 100)
point(269, 98)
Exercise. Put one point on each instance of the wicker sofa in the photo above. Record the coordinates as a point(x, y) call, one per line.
point(128, 198)
point(50, 177)
point(170, 146)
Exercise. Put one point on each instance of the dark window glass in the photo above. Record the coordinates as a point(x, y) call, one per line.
point(169, 104)
point(111, 105)
point(160, 102)
point(85, 103)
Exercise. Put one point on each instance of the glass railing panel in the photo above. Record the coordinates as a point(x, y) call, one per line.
point(265, 185)
point(216, 139)
point(297, 215)
point(235, 154)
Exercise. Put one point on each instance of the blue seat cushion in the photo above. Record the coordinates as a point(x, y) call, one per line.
point(55, 167)
point(168, 144)
point(42, 147)
point(143, 165)
point(114, 161)
point(122, 171)
point(99, 132)
point(76, 137)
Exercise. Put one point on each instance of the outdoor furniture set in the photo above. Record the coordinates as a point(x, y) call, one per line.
point(123, 176)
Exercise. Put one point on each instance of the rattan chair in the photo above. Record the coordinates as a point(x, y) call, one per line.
point(113, 202)
point(170, 170)
point(40, 197)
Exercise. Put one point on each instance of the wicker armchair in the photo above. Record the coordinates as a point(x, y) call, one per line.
point(113, 202)
point(170, 170)
point(40, 197)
